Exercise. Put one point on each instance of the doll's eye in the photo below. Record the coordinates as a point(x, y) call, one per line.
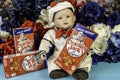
point(60, 18)
point(68, 16)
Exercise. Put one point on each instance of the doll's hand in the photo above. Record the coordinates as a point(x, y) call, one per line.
point(42, 55)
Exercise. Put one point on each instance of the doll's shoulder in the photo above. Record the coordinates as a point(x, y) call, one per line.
point(50, 32)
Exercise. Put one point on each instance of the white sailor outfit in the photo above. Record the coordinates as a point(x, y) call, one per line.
point(49, 40)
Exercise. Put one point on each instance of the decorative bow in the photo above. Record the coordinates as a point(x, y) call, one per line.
point(61, 32)
point(38, 28)
point(7, 47)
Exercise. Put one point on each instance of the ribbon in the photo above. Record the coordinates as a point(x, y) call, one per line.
point(61, 32)
point(7, 47)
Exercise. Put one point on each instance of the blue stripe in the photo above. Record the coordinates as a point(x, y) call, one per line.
point(22, 30)
point(90, 34)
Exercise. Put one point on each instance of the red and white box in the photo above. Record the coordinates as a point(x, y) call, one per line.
point(18, 64)
point(23, 39)
point(75, 49)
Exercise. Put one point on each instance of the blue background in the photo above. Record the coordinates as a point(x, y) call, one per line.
point(102, 71)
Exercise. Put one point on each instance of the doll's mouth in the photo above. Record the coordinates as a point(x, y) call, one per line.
point(66, 23)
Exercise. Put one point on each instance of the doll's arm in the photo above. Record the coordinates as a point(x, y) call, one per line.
point(45, 45)
point(47, 42)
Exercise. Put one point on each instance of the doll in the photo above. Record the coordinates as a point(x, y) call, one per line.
point(62, 14)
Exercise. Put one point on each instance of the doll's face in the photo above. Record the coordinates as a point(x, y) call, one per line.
point(64, 19)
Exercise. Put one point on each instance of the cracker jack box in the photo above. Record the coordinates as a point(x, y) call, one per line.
point(23, 39)
point(75, 49)
point(18, 64)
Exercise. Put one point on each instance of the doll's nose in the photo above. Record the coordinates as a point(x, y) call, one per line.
point(66, 23)
point(64, 19)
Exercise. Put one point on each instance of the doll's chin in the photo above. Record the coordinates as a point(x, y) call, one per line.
point(67, 28)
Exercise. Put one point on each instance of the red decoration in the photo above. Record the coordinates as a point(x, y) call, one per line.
point(60, 32)
point(8, 46)
point(38, 28)
point(53, 4)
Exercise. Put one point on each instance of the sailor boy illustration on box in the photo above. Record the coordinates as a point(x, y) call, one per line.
point(24, 43)
point(76, 41)
point(62, 14)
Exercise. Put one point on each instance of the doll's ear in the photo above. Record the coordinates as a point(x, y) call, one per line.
point(74, 18)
